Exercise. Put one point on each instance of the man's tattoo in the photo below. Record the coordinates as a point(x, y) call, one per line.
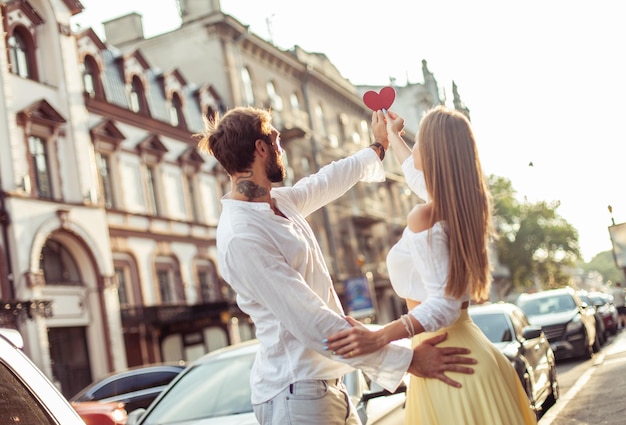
point(250, 189)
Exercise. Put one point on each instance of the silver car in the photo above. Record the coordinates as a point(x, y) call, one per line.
point(215, 389)
point(26, 395)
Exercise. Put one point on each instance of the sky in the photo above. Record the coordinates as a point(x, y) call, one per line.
point(545, 80)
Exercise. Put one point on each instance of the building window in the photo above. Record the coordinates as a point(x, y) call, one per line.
point(104, 168)
point(58, 265)
point(41, 166)
point(191, 195)
point(177, 117)
point(247, 87)
point(122, 286)
point(276, 102)
point(21, 54)
point(127, 280)
point(365, 130)
point(164, 277)
point(91, 78)
point(152, 193)
point(321, 120)
point(295, 102)
point(208, 282)
point(138, 102)
point(170, 289)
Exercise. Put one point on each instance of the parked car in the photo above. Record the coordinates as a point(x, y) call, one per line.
point(136, 388)
point(525, 345)
point(601, 334)
point(608, 311)
point(215, 389)
point(26, 395)
point(568, 324)
point(101, 413)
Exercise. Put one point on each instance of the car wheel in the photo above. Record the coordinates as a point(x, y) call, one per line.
point(554, 389)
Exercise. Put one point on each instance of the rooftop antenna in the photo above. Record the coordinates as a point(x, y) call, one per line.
point(269, 22)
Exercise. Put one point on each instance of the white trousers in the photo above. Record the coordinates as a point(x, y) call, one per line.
point(311, 402)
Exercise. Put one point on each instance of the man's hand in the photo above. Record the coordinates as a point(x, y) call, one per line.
point(379, 128)
point(430, 361)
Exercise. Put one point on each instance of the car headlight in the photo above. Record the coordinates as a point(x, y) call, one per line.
point(511, 351)
point(574, 325)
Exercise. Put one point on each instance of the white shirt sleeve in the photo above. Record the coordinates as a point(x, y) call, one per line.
point(430, 252)
point(333, 180)
point(282, 292)
point(414, 178)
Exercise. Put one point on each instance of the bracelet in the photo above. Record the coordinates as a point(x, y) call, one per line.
point(381, 149)
point(408, 325)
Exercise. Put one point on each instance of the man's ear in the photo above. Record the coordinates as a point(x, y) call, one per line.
point(261, 147)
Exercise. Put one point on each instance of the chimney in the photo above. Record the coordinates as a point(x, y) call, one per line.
point(193, 9)
point(124, 29)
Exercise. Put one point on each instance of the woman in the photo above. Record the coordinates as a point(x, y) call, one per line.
point(439, 264)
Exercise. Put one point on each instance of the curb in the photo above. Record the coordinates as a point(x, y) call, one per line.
point(617, 346)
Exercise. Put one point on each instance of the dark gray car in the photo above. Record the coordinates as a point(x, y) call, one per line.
point(569, 324)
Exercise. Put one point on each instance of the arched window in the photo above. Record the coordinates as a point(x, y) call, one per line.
point(138, 101)
point(247, 86)
point(177, 117)
point(91, 78)
point(58, 265)
point(21, 53)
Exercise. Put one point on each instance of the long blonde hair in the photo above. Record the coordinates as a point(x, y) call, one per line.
point(460, 197)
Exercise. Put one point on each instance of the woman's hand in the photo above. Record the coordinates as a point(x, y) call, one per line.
point(395, 123)
point(355, 341)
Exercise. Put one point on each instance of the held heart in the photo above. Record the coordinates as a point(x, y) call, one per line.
point(382, 100)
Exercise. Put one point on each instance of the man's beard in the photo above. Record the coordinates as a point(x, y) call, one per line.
point(275, 169)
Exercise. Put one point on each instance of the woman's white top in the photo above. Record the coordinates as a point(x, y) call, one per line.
point(418, 266)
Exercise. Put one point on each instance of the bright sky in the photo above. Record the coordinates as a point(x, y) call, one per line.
point(545, 80)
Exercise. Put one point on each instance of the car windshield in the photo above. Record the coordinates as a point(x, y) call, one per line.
point(547, 305)
point(207, 390)
point(495, 326)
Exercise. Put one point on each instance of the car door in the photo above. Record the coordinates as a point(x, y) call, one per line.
point(535, 351)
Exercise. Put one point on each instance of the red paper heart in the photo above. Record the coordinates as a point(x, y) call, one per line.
point(382, 100)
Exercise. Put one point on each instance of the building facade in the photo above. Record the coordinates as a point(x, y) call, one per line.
point(108, 210)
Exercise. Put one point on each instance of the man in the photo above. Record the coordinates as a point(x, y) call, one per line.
point(618, 300)
point(269, 255)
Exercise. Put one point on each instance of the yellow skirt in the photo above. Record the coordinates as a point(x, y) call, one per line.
point(492, 395)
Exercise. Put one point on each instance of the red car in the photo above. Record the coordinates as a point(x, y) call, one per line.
point(101, 413)
point(606, 308)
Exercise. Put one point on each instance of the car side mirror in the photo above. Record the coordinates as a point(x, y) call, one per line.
point(135, 416)
point(531, 332)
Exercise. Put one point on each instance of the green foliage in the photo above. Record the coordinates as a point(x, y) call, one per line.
point(535, 243)
point(604, 263)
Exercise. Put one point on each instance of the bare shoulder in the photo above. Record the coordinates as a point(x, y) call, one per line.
point(419, 218)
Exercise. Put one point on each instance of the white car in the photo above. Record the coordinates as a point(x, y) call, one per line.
point(215, 389)
point(26, 395)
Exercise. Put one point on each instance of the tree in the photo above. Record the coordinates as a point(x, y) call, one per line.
point(534, 243)
point(604, 263)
